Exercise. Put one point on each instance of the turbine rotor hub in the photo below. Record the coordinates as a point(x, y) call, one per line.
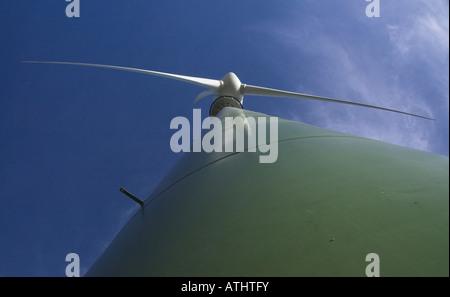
point(231, 87)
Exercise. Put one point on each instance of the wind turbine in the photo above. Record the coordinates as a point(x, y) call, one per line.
point(328, 202)
point(228, 91)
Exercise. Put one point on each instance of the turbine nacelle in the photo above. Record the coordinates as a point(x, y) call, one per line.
point(229, 91)
point(229, 94)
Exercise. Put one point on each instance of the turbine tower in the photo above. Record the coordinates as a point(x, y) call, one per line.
point(328, 201)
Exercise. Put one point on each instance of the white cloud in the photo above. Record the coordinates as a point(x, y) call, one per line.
point(395, 63)
point(424, 38)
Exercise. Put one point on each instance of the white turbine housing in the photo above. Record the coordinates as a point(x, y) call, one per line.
point(229, 94)
point(230, 86)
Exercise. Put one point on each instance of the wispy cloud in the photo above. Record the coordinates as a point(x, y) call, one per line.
point(398, 61)
point(423, 38)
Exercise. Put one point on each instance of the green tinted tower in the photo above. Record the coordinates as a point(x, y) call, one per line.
point(328, 201)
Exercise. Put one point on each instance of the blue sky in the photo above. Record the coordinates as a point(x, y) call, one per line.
point(70, 136)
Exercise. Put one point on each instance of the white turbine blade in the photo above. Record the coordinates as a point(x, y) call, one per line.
point(255, 90)
point(204, 82)
point(203, 95)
